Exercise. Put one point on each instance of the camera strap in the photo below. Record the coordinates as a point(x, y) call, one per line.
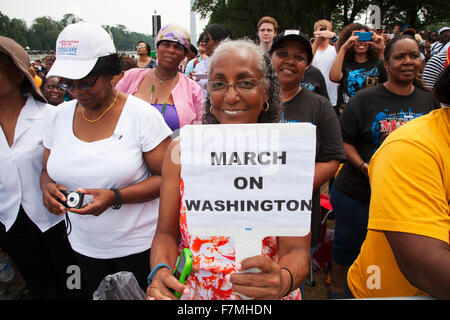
point(68, 225)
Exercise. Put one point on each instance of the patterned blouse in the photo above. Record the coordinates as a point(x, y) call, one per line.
point(215, 256)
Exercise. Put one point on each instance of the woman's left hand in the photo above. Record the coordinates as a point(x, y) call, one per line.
point(264, 285)
point(103, 199)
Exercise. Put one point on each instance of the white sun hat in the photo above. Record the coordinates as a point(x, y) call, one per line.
point(78, 48)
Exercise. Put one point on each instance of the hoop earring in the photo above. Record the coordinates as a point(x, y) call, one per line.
point(210, 109)
point(267, 106)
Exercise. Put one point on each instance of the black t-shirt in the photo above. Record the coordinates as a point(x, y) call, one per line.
point(357, 76)
point(307, 106)
point(314, 81)
point(370, 116)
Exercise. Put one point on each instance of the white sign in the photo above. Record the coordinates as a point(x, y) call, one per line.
point(248, 181)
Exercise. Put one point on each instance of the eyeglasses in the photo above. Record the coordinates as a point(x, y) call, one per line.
point(244, 86)
point(69, 85)
point(205, 40)
point(141, 46)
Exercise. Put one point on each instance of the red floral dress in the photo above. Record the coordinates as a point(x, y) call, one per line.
point(215, 257)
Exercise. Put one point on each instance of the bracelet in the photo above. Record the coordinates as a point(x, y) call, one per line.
point(155, 270)
point(117, 199)
point(361, 165)
point(292, 281)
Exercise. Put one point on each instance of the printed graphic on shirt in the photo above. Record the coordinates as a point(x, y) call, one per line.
point(384, 123)
point(307, 85)
point(215, 257)
point(358, 79)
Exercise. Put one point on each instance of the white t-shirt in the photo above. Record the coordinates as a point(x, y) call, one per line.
point(323, 60)
point(202, 67)
point(115, 162)
point(21, 166)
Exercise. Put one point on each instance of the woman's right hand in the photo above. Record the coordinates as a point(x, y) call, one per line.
point(163, 286)
point(50, 194)
point(350, 41)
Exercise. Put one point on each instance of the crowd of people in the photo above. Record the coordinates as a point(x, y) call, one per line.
point(106, 126)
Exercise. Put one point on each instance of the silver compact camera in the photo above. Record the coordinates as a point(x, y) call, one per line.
point(74, 199)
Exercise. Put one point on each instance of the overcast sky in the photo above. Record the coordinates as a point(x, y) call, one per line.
point(136, 15)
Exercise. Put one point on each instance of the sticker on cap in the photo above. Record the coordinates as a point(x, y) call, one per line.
point(288, 32)
point(67, 47)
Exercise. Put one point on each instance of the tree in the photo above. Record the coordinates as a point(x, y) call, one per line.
point(15, 29)
point(241, 16)
point(69, 18)
point(125, 40)
point(43, 33)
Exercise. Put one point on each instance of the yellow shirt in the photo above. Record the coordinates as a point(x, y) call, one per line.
point(410, 181)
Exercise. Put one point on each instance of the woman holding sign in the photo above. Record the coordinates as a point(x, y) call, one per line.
point(242, 88)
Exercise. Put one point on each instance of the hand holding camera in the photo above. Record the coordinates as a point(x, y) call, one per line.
point(58, 200)
point(74, 199)
point(102, 199)
point(54, 198)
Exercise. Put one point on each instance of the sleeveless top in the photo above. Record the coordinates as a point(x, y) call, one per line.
point(170, 115)
point(216, 258)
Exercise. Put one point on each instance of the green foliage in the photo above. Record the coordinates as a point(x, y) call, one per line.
point(44, 31)
point(241, 16)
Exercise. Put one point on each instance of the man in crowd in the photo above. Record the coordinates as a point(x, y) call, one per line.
point(267, 30)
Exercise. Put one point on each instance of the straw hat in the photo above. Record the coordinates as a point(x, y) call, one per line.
point(21, 60)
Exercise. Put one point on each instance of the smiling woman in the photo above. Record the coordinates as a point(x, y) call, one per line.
point(243, 89)
point(291, 55)
point(174, 95)
point(358, 64)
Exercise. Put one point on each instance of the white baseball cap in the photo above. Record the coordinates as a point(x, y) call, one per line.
point(78, 48)
point(442, 30)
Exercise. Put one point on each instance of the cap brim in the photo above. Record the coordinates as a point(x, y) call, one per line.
point(71, 69)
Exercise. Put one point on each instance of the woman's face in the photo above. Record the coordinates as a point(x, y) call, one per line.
point(404, 62)
point(52, 92)
point(10, 76)
point(141, 49)
point(170, 54)
point(210, 44)
point(243, 102)
point(290, 61)
point(360, 47)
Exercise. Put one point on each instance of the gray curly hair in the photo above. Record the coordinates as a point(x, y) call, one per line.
point(264, 65)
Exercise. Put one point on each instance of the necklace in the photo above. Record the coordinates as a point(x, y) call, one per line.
point(161, 80)
point(107, 109)
point(292, 95)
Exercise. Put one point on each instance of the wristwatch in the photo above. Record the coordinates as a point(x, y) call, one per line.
point(335, 38)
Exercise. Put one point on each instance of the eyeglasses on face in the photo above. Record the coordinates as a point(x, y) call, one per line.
point(205, 40)
point(244, 86)
point(66, 84)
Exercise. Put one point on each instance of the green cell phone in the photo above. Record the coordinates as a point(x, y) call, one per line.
point(183, 268)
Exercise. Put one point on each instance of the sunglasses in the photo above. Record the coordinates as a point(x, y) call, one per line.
point(69, 85)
